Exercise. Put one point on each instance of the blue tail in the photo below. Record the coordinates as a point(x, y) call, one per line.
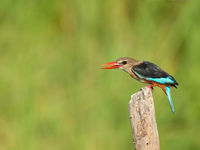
point(169, 97)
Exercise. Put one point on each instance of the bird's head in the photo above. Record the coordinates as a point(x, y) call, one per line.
point(123, 63)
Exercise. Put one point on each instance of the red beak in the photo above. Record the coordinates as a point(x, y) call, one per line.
point(112, 65)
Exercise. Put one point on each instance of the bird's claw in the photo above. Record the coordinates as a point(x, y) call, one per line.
point(150, 86)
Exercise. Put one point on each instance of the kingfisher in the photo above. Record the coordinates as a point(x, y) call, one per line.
point(146, 72)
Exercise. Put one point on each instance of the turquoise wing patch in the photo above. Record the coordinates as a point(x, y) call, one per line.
point(169, 79)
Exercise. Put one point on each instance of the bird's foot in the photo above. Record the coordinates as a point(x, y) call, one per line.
point(150, 86)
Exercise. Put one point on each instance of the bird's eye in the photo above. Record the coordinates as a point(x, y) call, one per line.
point(124, 62)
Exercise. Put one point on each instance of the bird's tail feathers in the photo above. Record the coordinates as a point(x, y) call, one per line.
point(167, 91)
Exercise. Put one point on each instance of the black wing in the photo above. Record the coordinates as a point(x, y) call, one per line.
point(150, 70)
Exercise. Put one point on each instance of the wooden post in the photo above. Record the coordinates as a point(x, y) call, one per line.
point(143, 121)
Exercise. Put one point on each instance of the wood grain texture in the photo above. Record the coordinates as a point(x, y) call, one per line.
point(143, 121)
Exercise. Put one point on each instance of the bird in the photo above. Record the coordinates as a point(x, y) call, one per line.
point(146, 72)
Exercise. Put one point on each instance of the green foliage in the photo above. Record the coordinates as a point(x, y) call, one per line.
point(53, 94)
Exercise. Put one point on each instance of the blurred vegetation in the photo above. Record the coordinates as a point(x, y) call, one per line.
point(53, 96)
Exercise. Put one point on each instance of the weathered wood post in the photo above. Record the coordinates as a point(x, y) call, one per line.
point(143, 121)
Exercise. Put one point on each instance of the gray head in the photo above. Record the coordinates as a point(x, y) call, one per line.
point(124, 63)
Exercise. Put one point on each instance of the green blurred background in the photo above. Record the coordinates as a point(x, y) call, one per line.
point(53, 96)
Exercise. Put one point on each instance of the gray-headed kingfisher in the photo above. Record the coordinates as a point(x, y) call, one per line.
point(146, 72)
